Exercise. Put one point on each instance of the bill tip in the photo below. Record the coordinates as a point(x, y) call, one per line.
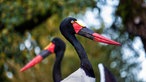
point(21, 70)
point(119, 44)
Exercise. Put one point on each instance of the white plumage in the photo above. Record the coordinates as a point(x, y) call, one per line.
point(79, 76)
point(105, 74)
point(101, 70)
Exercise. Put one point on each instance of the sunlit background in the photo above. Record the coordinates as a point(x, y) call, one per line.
point(26, 27)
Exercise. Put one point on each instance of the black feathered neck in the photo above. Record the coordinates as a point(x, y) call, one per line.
point(59, 51)
point(68, 32)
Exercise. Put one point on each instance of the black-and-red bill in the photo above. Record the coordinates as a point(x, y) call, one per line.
point(32, 63)
point(102, 39)
point(43, 54)
point(83, 31)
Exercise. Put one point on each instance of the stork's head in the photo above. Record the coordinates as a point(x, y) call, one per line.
point(56, 46)
point(70, 26)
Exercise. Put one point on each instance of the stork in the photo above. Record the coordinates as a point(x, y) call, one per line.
point(69, 27)
point(57, 46)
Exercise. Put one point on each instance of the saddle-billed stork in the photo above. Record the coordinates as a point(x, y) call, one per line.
point(57, 46)
point(69, 27)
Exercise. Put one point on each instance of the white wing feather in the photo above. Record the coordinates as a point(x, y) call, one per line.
point(79, 76)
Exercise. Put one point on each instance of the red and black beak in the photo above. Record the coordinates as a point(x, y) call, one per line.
point(83, 31)
point(47, 51)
